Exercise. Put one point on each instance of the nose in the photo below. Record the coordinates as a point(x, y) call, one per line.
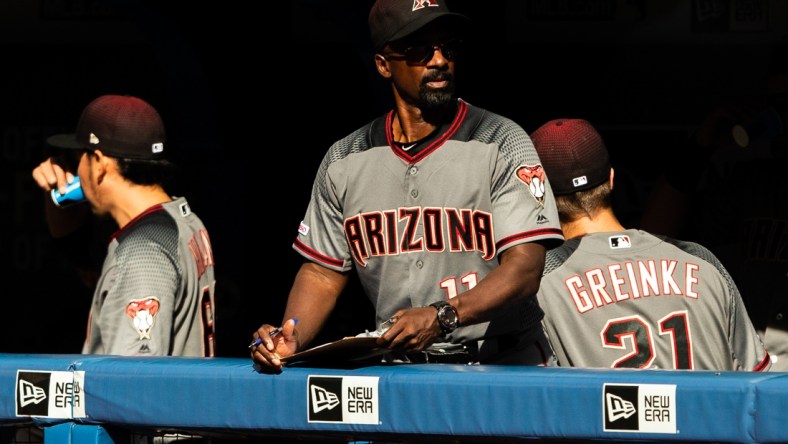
point(438, 58)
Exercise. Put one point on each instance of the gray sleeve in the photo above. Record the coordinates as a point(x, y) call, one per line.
point(145, 281)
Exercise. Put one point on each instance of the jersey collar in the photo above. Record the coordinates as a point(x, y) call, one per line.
point(437, 142)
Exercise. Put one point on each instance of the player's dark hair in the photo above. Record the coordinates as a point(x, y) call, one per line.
point(586, 203)
point(146, 172)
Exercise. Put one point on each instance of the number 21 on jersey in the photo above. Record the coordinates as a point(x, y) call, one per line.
point(638, 333)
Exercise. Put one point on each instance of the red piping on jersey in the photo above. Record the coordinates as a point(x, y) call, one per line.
point(317, 256)
point(763, 364)
point(153, 209)
point(462, 111)
point(527, 234)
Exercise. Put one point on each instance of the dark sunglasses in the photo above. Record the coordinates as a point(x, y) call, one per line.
point(423, 53)
point(71, 158)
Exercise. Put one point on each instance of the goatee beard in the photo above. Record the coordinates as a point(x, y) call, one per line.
point(434, 99)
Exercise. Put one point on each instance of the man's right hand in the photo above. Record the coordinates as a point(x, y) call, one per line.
point(49, 175)
point(268, 354)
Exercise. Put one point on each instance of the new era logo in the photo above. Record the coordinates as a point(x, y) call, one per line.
point(30, 394)
point(322, 399)
point(348, 399)
point(647, 408)
point(620, 403)
point(50, 394)
point(618, 407)
point(325, 399)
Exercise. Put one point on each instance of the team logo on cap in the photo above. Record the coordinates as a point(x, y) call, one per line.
point(534, 177)
point(421, 4)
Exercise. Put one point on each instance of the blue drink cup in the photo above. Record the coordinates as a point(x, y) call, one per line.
point(73, 194)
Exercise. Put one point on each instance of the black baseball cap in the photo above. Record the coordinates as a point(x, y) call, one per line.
point(391, 20)
point(573, 155)
point(120, 126)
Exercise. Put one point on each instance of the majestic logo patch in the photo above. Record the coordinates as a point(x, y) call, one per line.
point(420, 4)
point(348, 399)
point(541, 219)
point(647, 408)
point(618, 242)
point(534, 177)
point(143, 315)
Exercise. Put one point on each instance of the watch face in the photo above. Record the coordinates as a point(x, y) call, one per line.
point(447, 315)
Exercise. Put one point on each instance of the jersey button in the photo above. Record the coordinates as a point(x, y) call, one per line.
point(413, 170)
point(419, 264)
point(414, 193)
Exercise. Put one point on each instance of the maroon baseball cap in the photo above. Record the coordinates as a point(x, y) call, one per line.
point(573, 155)
point(391, 20)
point(120, 126)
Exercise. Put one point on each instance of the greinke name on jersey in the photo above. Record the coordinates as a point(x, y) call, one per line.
point(632, 280)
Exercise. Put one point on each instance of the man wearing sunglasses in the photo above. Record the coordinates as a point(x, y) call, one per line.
point(439, 206)
point(155, 295)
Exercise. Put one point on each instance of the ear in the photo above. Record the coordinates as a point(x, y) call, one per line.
point(611, 177)
point(382, 65)
point(101, 165)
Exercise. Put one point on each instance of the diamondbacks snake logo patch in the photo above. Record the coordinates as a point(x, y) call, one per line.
point(534, 177)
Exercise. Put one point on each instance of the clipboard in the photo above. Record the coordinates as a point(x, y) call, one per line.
point(350, 349)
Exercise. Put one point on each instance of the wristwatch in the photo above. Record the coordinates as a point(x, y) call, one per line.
point(448, 318)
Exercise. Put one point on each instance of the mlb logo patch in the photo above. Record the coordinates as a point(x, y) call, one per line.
point(617, 242)
point(579, 181)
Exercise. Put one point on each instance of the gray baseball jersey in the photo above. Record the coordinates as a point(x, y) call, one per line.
point(156, 291)
point(425, 227)
point(632, 299)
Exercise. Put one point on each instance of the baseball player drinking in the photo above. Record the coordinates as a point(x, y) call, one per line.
point(440, 207)
point(624, 298)
point(155, 295)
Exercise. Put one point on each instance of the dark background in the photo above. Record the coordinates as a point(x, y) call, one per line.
point(251, 111)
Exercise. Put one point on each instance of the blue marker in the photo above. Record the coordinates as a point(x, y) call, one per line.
point(271, 334)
